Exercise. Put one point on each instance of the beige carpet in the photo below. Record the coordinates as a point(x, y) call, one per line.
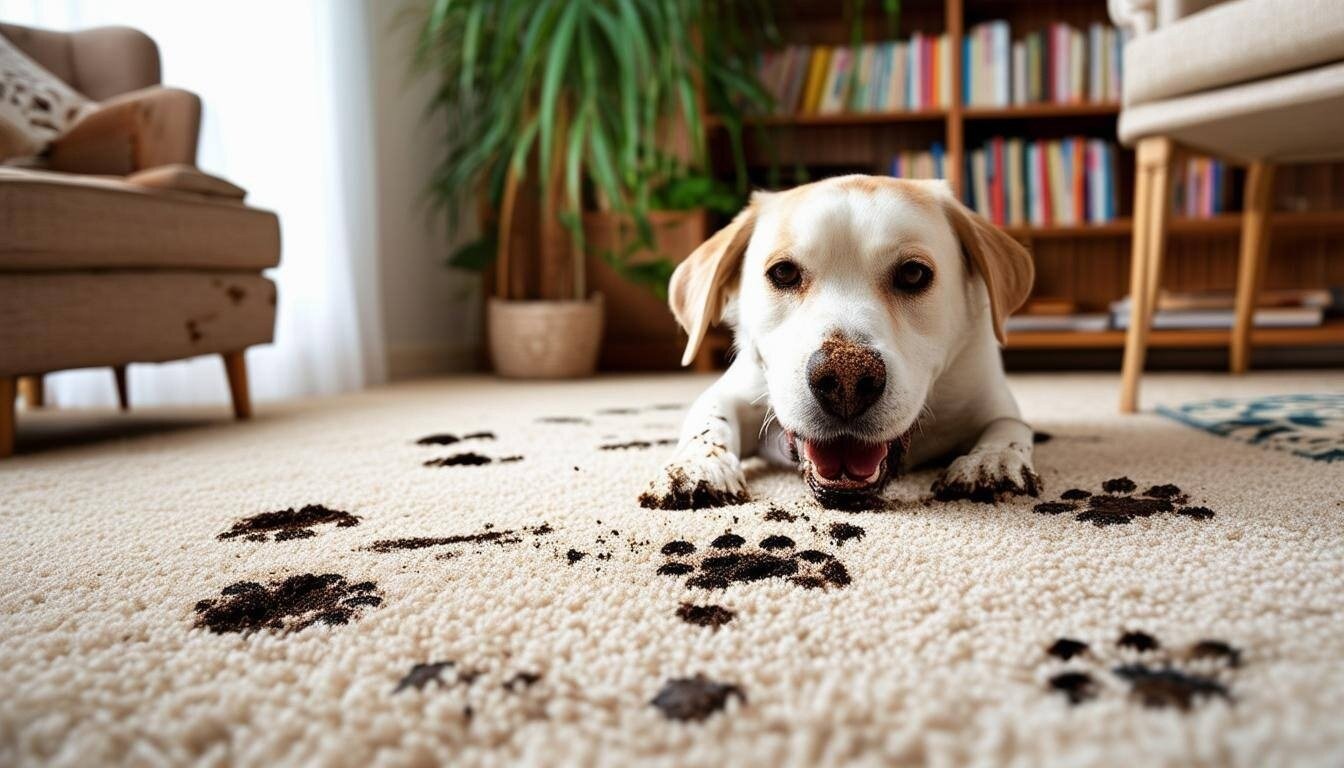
point(918, 634)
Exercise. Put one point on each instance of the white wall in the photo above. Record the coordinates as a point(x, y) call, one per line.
point(431, 315)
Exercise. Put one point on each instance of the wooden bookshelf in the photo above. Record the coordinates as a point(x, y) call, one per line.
point(1089, 263)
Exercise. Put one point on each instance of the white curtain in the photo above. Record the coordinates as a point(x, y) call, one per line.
point(287, 93)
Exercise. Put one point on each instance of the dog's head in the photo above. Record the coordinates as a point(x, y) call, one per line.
point(852, 294)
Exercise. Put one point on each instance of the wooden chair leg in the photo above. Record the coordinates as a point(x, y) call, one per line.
point(8, 387)
point(235, 366)
point(123, 394)
point(1254, 251)
point(33, 391)
point(1152, 204)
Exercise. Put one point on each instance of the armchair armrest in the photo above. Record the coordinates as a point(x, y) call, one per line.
point(137, 130)
point(1143, 16)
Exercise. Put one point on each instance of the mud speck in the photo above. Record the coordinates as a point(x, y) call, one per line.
point(842, 532)
point(1066, 648)
point(444, 438)
point(288, 524)
point(705, 615)
point(1075, 494)
point(422, 675)
point(695, 698)
point(1216, 649)
point(1164, 491)
point(637, 444)
point(521, 680)
point(1196, 513)
point(1077, 686)
point(728, 541)
point(1167, 687)
point(574, 556)
point(777, 542)
point(469, 459)
point(777, 515)
point(675, 569)
point(1119, 485)
point(1053, 507)
point(562, 420)
point(673, 548)
point(1138, 641)
point(288, 605)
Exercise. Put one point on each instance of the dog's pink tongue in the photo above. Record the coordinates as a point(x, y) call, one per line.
point(846, 456)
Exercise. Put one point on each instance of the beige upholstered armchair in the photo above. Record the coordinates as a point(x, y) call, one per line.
point(114, 248)
point(1259, 82)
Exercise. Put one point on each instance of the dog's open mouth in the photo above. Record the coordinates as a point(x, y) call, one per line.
point(846, 471)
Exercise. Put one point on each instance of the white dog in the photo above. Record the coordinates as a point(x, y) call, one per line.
point(868, 314)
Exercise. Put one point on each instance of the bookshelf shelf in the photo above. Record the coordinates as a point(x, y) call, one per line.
point(1031, 111)
point(1330, 333)
point(845, 118)
point(1218, 225)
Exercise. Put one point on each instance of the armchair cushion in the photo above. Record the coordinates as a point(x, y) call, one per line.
point(142, 129)
point(1232, 43)
point(36, 106)
point(57, 221)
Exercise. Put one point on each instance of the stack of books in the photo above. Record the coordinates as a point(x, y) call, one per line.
point(1293, 308)
point(1202, 191)
point(1059, 65)
point(919, 165)
point(1013, 182)
point(891, 76)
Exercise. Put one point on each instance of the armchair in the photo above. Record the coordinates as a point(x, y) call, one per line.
point(1258, 82)
point(115, 248)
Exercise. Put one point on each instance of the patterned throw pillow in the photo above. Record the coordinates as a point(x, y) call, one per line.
point(35, 105)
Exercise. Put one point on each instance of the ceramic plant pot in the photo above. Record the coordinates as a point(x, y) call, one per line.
point(545, 339)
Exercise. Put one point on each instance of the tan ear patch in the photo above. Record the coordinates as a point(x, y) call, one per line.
point(700, 285)
point(1002, 262)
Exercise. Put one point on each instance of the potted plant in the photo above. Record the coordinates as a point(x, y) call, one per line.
point(557, 107)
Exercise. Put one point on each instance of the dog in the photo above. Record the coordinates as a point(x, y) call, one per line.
point(867, 315)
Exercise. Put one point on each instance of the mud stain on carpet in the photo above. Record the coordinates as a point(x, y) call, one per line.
point(288, 524)
point(445, 438)
point(695, 698)
point(704, 615)
point(484, 537)
point(288, 605)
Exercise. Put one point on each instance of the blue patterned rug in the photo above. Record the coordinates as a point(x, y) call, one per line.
point(1306, 425)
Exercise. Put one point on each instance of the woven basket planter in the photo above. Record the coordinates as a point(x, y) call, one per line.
point(545, 339)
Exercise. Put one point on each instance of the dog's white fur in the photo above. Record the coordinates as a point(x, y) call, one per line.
point(945, 386)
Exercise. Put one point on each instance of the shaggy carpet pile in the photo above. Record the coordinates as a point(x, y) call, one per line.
point(458, 572)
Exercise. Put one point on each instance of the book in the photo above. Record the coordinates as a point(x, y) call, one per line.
point(1089, 322)
point(816, 79)
point(835, 90)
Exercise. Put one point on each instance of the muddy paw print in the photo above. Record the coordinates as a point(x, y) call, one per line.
point(729, 561)
point(1118, 504)
point(1153, 676)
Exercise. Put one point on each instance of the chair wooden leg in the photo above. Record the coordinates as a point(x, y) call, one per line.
point(8, 387)
point(123, 394)
point(33, 391)
point(1254, 252)
point(235, 366)
point(1152, 204)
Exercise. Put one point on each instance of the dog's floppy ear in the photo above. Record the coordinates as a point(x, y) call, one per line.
point(1002, 262)
point(699, 287)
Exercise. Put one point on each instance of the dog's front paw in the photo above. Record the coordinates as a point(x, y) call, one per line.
point(697, 482)
point(987, 473)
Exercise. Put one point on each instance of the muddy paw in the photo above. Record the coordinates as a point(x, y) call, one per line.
point(987, 473)
point(697, 482)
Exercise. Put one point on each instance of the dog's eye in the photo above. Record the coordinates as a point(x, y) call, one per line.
point(784, 275)
point(911, 277)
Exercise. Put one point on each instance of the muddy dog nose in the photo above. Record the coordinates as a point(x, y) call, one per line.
point(846, 378)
